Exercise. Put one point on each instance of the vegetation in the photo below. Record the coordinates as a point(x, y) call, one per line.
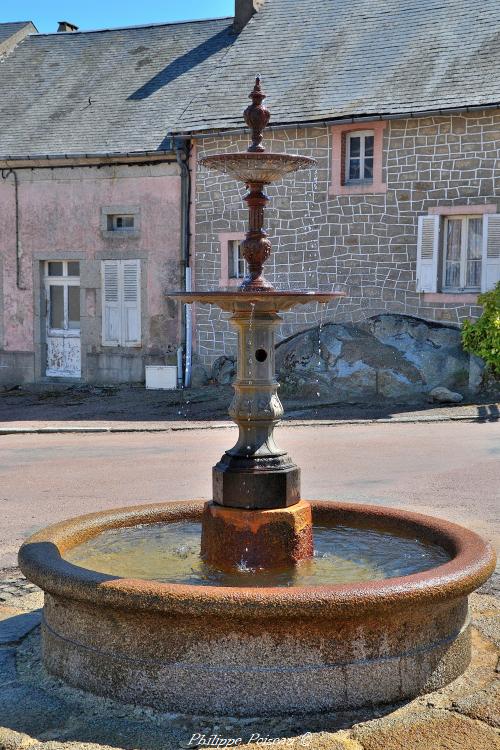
point(482, 338)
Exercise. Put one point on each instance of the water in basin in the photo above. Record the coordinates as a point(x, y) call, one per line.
point(170, 553)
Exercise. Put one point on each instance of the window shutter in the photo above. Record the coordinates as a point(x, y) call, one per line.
point(131, 329)
point(491, 252)
point(427, 253)
point(111, 318)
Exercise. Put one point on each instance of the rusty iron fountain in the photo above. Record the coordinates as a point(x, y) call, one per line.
point(256, 475)
point(257, 602)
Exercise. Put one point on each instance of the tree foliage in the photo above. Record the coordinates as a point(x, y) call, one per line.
point(482, 338)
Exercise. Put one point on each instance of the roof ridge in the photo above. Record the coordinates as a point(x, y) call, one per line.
point(137, 26)
point(15, 23)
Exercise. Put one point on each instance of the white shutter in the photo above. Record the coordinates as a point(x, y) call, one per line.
point(131, 309)
point(490, 274)
point(427, 253)
point(111, 317)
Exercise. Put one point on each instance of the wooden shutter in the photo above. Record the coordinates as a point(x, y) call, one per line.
point(131, 309)
point(111, 316)
point(490, 274)
point(427, 253)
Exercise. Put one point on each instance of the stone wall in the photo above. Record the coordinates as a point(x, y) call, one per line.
point(365, 243)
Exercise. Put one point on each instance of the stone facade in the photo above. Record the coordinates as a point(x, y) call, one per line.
point(365, 243)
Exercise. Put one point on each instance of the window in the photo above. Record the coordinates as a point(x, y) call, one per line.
point(458, 252)
point(462, 253)
point(121, 302)
point(236, 262)
point(120, 223)
point(359, 157)
point(233, 267)
point(62, 285)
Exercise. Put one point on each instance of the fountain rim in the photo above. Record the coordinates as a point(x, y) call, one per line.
point(40, 559)
point(245, 156)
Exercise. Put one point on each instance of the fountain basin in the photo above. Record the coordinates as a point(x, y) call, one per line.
point(250, 651)
point(263, 168)
point(271, 301)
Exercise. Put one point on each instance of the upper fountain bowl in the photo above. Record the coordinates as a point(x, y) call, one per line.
point(259, 167)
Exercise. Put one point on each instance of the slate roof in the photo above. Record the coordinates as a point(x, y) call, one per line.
point(9, 29)
point(138, 81)
point(125, 90)
point(326, 59)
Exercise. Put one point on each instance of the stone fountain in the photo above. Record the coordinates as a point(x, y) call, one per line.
point(257, 602)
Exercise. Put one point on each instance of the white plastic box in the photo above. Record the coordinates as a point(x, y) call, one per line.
point(161, 378)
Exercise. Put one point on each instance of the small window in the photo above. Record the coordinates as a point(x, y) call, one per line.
point(359, 157)
point(120, 222)
point(62, 268)
point(462, 253)
point(236, 262)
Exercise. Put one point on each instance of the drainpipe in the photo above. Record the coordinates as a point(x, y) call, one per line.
point(6, 173)
point(182, 155)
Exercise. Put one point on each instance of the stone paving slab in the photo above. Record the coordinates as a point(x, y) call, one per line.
point(15, 624)
point(434, 730)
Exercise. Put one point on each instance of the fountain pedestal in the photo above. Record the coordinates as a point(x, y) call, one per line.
point(256, 519)
point(256, 474)
point(249, 539)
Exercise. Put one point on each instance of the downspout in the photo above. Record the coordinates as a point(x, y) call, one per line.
point(182, 154)
point(6, 173)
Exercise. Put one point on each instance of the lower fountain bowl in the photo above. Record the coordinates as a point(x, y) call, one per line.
point(251, 651)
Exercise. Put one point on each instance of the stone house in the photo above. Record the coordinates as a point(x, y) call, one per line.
point(103, 209)
point(399, 106)
point(93, 189)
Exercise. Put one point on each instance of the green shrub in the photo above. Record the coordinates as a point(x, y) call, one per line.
point(482, 338)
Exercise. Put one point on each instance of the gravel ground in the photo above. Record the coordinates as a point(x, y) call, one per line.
point(134, 406)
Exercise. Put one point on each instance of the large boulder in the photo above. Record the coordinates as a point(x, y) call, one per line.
point(224, 370)
point(388, 356)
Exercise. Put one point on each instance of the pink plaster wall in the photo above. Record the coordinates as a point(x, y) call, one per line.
point(65, 214)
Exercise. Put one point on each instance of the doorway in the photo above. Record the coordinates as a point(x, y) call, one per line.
point(62, 294)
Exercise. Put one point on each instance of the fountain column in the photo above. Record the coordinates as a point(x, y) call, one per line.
point(257, 518)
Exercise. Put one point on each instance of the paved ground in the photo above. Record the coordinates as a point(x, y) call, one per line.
point(448, 469)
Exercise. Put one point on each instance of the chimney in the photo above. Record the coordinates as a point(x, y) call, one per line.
point(243, 11)
point(66, 26)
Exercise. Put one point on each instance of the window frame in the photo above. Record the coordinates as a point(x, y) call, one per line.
point(111, 213)
point(339, 134)
point(362, 180)
point(225, 280)
point(235, 260)
point(463, 288)
point(65, 281)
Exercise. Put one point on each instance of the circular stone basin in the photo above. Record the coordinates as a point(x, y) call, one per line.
point(249, 650)
point(261, 167)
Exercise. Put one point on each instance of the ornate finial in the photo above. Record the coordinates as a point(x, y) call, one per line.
point(257, 117)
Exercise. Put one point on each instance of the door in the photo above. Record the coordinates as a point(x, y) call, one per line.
point(62, 293)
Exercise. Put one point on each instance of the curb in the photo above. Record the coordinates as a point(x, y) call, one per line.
point(62, 429)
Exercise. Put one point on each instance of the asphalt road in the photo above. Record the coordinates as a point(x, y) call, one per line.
point(450, 470)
